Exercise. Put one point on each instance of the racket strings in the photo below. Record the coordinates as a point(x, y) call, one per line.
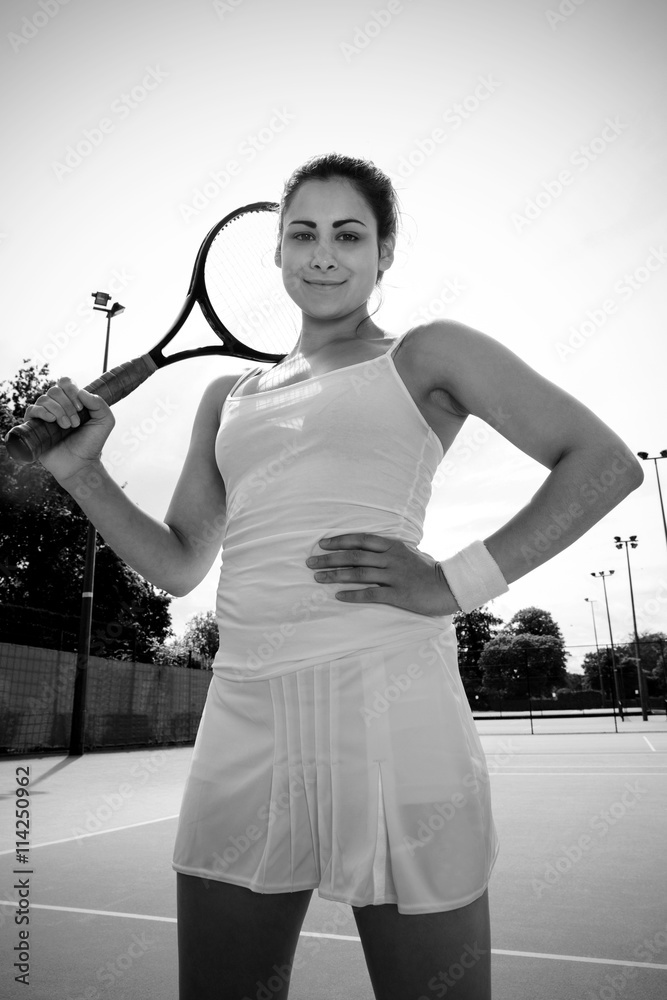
point(245, 286)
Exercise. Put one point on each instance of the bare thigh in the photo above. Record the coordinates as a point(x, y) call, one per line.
point(232, 940)
point(427, 955)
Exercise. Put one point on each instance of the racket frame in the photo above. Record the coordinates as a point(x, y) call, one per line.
point(197, 292)
point(25, 442)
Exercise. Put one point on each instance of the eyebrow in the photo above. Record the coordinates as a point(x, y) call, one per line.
point(313, 225)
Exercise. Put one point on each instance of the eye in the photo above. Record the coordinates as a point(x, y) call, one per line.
point(296, 236)
point(353, 237)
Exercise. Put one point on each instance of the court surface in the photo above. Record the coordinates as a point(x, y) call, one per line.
point(578, 895)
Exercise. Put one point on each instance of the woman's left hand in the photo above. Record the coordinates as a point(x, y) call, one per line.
point(396, 573)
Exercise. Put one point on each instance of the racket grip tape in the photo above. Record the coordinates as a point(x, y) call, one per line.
point(27, 441)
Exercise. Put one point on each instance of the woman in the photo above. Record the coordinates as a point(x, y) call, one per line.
point(337, 749)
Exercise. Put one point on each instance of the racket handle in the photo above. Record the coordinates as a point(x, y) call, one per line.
point(27, 441)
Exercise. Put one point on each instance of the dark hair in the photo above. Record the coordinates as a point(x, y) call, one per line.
point(372, 184)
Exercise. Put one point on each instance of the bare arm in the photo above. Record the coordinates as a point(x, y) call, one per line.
point(174, 554)
point(592, 470)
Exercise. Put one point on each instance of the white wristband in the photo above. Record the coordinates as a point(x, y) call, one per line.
point(473, 576)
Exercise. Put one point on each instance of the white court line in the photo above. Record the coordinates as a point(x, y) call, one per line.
point(95, 913)
point(97, 833)
point(350, 937)
point(577, 766)
point(651, 745)
point(580, 774)
point(579, 958)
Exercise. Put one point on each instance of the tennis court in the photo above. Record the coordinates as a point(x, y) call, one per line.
point(578, 902)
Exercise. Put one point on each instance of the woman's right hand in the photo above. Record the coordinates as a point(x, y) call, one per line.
point(62, 403)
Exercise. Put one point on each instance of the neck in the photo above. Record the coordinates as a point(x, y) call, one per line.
point(319, 334)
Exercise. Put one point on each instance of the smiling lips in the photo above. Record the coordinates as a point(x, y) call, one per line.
point(320, 284)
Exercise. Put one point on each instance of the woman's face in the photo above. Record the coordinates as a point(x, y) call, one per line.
point(329, 250)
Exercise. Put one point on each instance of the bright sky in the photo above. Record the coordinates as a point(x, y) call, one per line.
point(527, 140)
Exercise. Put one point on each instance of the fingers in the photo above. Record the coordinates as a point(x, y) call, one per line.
point(59, 403)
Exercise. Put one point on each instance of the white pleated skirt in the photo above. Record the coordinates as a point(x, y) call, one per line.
point(363, 777)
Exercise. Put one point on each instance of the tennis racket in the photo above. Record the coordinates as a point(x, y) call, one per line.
point(238, 288)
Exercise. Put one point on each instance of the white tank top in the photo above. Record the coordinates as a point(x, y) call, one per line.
point(341, 452)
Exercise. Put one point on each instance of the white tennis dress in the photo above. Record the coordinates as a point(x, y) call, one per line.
point(337, 749)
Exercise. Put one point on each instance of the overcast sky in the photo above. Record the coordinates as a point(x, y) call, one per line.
point(527, 140)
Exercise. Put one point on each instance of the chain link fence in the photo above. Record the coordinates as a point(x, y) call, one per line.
point(127, 704)
point(130, 704)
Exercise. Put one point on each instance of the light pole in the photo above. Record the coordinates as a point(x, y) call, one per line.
point(654, 458)
point(597, 648)
point(633, 543)
point(618, 702)
point(77, 733)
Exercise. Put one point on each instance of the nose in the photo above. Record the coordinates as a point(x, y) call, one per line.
point(323, 257)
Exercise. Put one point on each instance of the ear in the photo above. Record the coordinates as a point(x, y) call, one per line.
point(278, 258)
point(387, 254)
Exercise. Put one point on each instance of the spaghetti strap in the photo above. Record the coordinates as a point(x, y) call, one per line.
point(399, 340)
point(243, 378)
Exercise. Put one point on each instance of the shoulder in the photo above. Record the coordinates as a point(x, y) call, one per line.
point(444, 355)
point(216, 392)
point(448, 339)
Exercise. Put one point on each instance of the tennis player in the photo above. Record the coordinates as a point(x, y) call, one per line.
point(337, 749)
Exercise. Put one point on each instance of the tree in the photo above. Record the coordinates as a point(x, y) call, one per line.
point(513, 665)
point(202, 634)
point(527, 654)
point(473, 631)
point(652, 656)
point(42, 548)
point(598, 663)
point(534, 621)
point(195, 648)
